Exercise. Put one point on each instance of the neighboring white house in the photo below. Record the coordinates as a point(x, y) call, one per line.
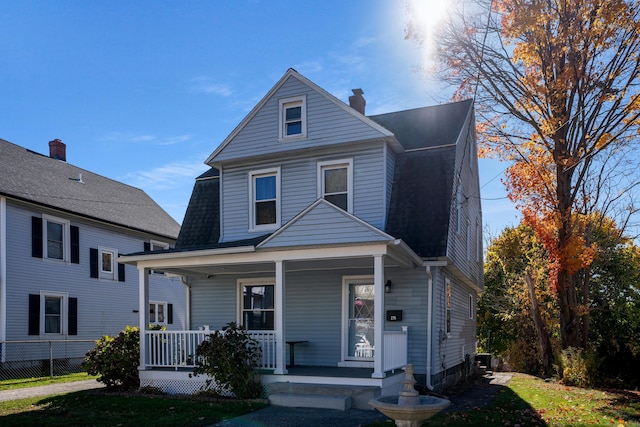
point(61, 230)
point(352, 241)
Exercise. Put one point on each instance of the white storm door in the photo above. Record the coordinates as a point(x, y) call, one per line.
point(360, 327)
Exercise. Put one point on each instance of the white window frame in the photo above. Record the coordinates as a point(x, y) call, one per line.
point(104, 274)
point(66, 238)
point(155, 313)
point(252, 199)
point(471, 306)
point(64, 312)
point(283, 104)
point(241, 283)
point(336, 164)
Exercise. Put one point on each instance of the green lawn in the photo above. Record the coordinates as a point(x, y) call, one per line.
point(34, 382)
point(529, 401)
point(102, 409)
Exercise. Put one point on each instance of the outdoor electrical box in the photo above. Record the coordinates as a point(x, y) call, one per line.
point(394, 315)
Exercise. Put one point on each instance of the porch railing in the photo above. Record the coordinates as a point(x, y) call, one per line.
point(177, 349)
point(395, 349)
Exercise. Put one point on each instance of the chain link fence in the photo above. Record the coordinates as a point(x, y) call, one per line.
point(42, 358)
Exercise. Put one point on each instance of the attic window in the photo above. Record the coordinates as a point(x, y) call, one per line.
point(293, 118)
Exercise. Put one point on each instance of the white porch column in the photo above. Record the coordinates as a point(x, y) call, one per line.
point(378, 316)
point(281, 367)
point(143, 313)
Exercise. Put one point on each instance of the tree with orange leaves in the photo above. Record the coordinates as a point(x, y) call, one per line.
point(556, 85)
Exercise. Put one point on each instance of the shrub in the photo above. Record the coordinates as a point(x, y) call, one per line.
point(577, 367)
point(115, 360)
point(231, 358)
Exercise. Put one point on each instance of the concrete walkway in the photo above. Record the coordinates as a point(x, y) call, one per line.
point(47, 390)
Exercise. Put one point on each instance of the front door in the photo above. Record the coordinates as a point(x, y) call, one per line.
point(359, 339)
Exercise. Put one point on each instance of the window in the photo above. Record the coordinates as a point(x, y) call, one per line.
point(53, 313)
point(107, 257)
point(264, 188)
point(155, 245)
point(157, 313)
point(471, 306)
point(56, 238)
point(293, 117)
point(258, 309)
point(448, 299)
point(459, 208)
point(335, 183)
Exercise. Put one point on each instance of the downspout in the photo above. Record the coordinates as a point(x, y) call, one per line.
point(429, 323)
point(187, 320)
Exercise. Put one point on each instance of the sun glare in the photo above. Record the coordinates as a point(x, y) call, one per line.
point(423, 19)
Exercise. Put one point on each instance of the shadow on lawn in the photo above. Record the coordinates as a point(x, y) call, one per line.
point(483, 403)
point(626, 405)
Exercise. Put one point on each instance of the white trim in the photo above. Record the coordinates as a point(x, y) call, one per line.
point(337, 209)
point(265, 281)
point(348, 361)
point(66, 238)
point(64, 312)
point(252, 175)
point(283, 105)
point(155, 314)
point(336, 164)
point(105, 275)
point(3, 273)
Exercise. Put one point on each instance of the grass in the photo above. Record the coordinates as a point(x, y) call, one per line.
point(38, 381)
point(104, 409)
point(529, 401)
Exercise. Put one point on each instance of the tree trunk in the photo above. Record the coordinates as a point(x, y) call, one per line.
point(546, 352)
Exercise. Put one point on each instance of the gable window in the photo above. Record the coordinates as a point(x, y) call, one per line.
point(264, 188)
point(258, 309)
point(335, 182)
point(53, 313)
point(293, 117)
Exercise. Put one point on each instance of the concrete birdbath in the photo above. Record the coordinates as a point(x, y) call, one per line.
point(409, 409)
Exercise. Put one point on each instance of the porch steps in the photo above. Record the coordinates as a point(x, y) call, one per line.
point(325, 396)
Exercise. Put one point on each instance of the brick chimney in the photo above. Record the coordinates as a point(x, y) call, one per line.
point(58, 150)
point(356, 101)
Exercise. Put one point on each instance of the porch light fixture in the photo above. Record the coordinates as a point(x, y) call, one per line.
point(387, 287)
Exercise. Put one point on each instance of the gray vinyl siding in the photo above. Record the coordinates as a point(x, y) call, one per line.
point(327, 124)
point(313, 309)
point(390, 164)
point(325, 225)
point(298, 183)
point(104, 306)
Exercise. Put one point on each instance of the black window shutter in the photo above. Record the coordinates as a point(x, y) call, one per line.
point(73, 316)
point(93, 263)
point(120, 272)
point(147, 246)
point(36, 237)
point(75, 244)
point(34, 314)
point(170, 314)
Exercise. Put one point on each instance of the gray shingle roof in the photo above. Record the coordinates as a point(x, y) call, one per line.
point(36, 178)
point(420, 206)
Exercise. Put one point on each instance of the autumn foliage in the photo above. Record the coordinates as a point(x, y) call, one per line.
point(556, 85)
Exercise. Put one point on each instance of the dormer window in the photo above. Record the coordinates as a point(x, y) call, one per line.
point(293, 118)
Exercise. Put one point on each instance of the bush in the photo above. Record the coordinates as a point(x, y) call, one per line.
point(578, 367)
point(231, 359)
point(115, 360)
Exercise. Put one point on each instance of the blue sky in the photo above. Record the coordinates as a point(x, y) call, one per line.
point(143, 91)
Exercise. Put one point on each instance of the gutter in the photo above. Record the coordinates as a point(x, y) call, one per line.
point(429, 323)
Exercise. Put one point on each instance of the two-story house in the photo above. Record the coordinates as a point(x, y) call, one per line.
point(348, 245)
point(61, 230)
